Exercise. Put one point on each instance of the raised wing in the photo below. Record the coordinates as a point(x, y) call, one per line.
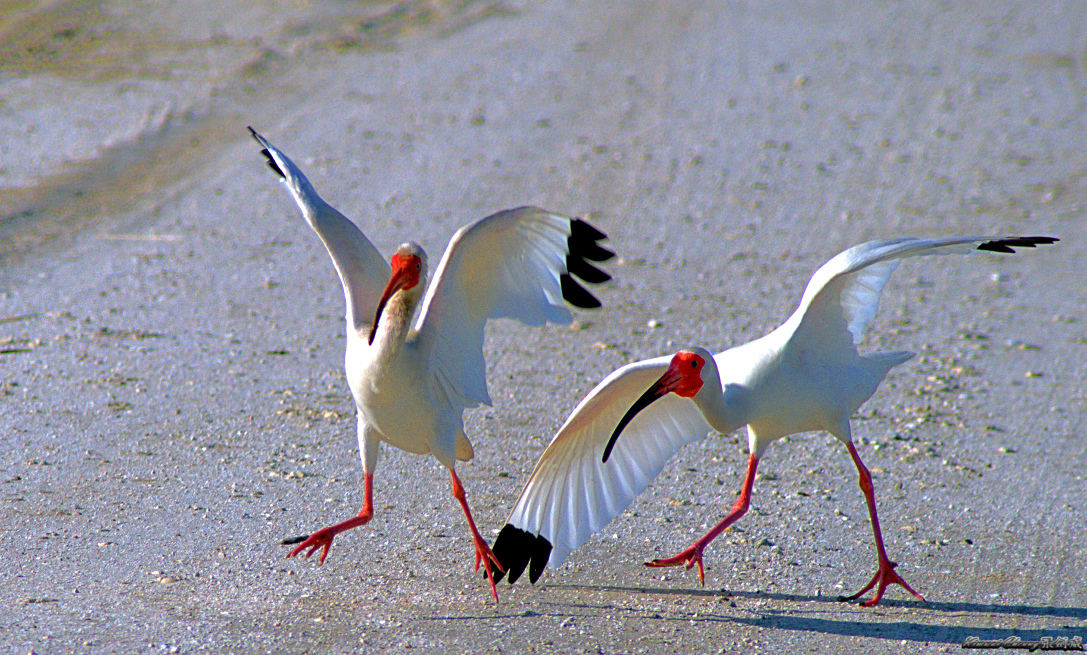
point(363, 271)
point(842, 297)
point(571, 493)
point(513, 264)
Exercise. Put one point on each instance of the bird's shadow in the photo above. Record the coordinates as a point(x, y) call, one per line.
point(855, 626)
point(852, 625)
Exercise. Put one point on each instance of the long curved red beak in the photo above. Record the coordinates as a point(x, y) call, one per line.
point(660, 388)
point(682, 378)
point(403, 277)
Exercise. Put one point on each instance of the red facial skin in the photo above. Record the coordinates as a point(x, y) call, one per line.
point(406, 270)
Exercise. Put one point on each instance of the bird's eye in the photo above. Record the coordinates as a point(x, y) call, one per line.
point(694, 363)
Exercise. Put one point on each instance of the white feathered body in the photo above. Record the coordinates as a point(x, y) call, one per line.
point(804, 376)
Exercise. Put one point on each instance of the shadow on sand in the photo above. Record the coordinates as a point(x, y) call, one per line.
point(853, 625)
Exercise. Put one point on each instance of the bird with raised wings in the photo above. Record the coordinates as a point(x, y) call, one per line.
point(412, 381)
point(804, 376)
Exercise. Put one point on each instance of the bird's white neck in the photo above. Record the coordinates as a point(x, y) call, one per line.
point(393, 324)
point(726, 411)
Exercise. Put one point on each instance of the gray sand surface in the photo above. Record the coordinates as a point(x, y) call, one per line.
point(173, 401)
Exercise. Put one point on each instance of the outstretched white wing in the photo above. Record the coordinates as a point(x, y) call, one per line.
point(363, 272)
point(513, 264)
point(842, 297)
point(572, 493)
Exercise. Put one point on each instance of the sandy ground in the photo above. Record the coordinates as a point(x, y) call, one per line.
point(173, 401)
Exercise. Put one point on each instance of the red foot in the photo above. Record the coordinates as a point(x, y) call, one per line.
point(689, 557)
point(322, 537)
point(884, 576)
point(484, 553)
point(486, 556)
point(693, 554)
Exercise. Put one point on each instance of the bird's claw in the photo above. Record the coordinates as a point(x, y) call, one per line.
point(885, 576)
point(321, 538)
point(486, 556)
point(687, 558)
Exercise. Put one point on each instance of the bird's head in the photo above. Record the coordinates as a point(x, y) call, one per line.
point(408, 275)
point(688, 373)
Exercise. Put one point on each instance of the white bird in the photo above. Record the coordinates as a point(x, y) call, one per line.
point(806, 375)
point(412, 382)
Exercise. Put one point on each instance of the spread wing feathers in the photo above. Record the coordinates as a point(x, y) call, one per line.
point(571, 494)
point(363, 271)
point(513, 264)
point(842, 297)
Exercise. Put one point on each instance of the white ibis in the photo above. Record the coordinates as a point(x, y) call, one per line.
point(806, 375)
point(412, 383)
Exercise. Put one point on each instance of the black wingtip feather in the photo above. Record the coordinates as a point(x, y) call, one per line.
point(1007, 246)
point(590, 250)
point(582, 247)
point(511, 549)
point(541, 552)
point(586, 271)
point(582, 230)
point(516, 549)
point(267, 155)
point(575, 294)
point(272, 163)
point(582, 242)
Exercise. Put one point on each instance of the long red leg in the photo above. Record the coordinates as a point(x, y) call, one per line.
point(693, 553)
point(886, 574)
point(483, 551)
point(324, 536)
